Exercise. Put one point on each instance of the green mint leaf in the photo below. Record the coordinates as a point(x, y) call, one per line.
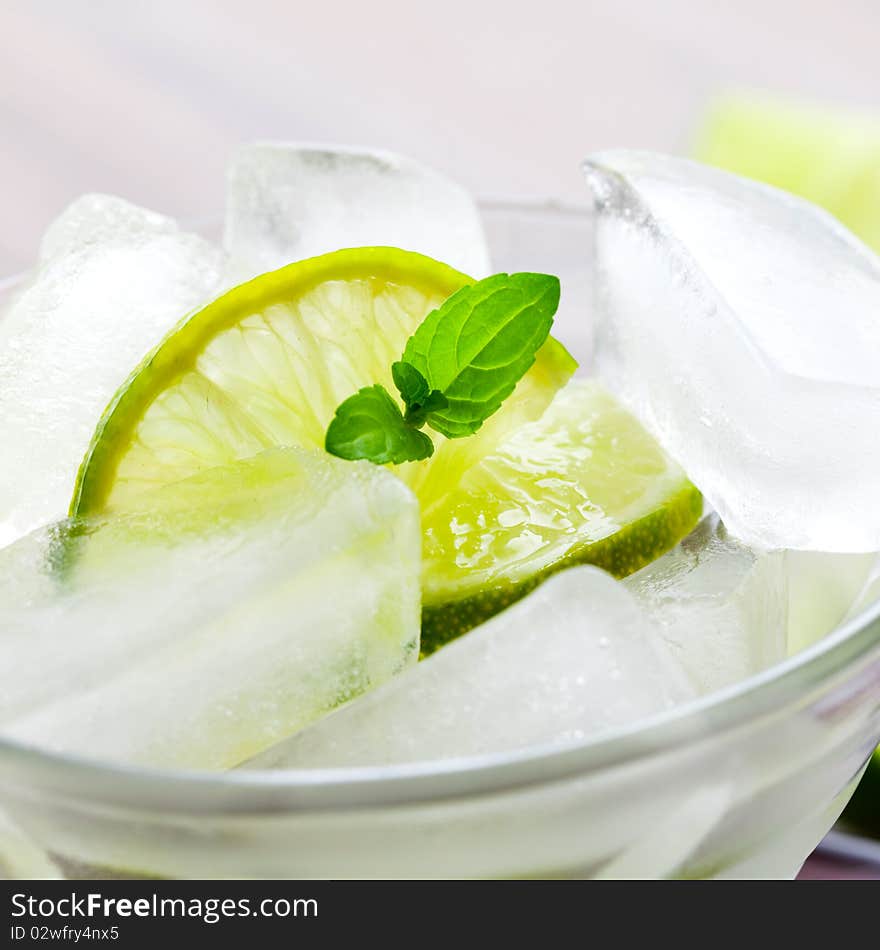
point(369, 425)
point(412, 386)
point(435, 401)
point(478, 344)
point(414, 390)
point(417, 415)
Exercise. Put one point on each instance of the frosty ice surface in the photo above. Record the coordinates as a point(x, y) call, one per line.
point(575, 657)
point(740, 324)
point(112, 279)
point(721, 606)
point(289, 202)
point(195, 633)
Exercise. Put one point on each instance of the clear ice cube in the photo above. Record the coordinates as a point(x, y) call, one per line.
point(721, 606)
point(286, 202)
point(740, 324)
point(112, 280)
point(575, 657)
point(231, 610)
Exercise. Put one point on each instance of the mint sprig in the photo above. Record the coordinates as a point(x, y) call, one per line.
point(462, 362)
point(419, 398)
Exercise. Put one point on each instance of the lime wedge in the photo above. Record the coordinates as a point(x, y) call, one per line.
point(829, 156)
point(268, 363)
point(583, 484)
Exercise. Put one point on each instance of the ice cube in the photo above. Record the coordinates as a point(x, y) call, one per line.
point(95, 221)
point(112, 279)
point(740, 323)
point(228, 612)
point(721, 606)
point(576, 656)
point(286, 202)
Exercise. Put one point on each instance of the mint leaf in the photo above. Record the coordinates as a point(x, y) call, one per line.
point(476, 347)
point(370, 425)
point(412, 386)
point(414, 390)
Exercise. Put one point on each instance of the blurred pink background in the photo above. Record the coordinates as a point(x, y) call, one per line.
point(147, 99)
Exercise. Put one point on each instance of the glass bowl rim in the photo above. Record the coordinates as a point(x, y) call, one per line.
point(242, 791)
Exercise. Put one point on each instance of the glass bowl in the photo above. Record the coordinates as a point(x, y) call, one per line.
point(743, 783)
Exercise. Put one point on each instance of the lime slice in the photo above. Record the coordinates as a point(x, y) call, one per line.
point(828, 156)
point(583, 484)
point(268, 363)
